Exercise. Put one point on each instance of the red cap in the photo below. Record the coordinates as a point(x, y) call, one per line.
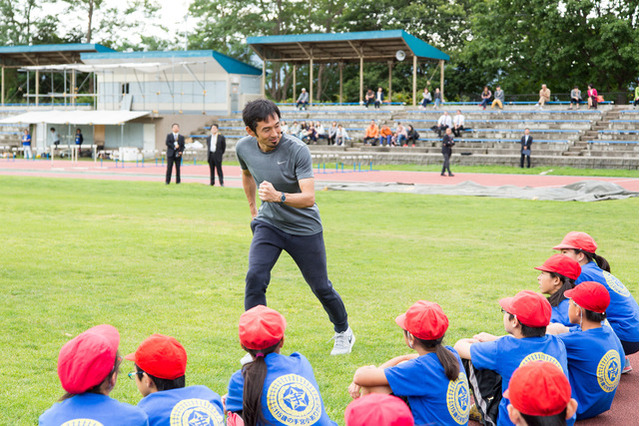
point(578, 241)
point(539, 388)
point(161, 356)
point(87, 359)
point(590, 295)
point(261, 327)
point(562, 265)
point(425, 320)
point(378, 409)
point(532, 309)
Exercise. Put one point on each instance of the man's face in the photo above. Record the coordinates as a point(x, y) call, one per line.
point(526, 132)
point(214, 130)
point(267, 132)
point(175, 128)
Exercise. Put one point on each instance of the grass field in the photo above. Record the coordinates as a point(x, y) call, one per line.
point(150, 258)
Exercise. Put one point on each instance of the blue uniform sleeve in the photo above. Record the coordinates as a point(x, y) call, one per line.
point(484, 355)
point(402, 378)
point(234, 396)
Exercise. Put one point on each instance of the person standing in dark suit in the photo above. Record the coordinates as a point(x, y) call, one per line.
point(216, 144)
point(525, 149)
point(175, 147)
point(447, 144)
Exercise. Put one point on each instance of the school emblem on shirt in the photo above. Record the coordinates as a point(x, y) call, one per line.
point(458, 399)
point(293, 400)
point(609, 371)
point(540, 356)
point(615, 284)
point(195, 412)
point(82, 422)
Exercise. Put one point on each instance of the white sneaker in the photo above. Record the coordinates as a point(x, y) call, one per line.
point(343, 342)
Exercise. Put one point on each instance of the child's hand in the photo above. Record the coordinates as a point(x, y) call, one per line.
point(354, 391)
point(485, 337)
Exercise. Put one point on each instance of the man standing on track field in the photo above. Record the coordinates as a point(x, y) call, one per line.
point(279, 167)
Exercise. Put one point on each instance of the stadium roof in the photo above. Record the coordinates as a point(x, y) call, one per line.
point(229, 64)
point(47, 54)
point(75, 117)
point(372, 46)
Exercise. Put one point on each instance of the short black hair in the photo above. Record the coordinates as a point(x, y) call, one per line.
point(53, 128)
point(164, 384)
point(215, 125)
point(529, 331)
point(258, 110)
point(175, 124)
point(559, 419)
point(595, 316)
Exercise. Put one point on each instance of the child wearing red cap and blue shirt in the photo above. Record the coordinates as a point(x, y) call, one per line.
point(594, 352)
point(273, 389)
point(433, 380)
point(378, 409)
point(539, 394)
point(88, 368)
point(161, 363)
point(558, 274)
point(494, 359)
point(622, 312)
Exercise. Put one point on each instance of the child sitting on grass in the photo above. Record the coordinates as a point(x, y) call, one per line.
point(273, 389)
point(433, 379)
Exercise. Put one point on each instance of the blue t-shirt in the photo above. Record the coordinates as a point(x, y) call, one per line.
point(433, 398)
point(507, 353)
point(26, 140)
point(184, 407)
point(622, 312)
point(595, 360)
point(290, 395)
point(92, 409)
point(284, 167)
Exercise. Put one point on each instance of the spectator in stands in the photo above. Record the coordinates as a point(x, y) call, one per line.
point(309, 135)
point(622, 312)
point(539, 394)
point(386, 135)
point(284, 127)
point(88, 367)
point(498, 98)
point(437, 98)
point(369, 98)
point(304, 128)
point(447, 145)
point(493, 359)
point(333, 130)
point(294, 395)
point(400, 135)
point(26, 144)
point(444, 123)
point(557, 275)
point(160, 366)
point(426, 98)
point(592, 97)
point(458, 123)
point(55, 137)
point(341, 135)
point(486, 97)
point(576, 98)
point(379, 97)
point(371, 134)
point(303, 100)
point(525, 149)
point(594, 352)
point(636, 96)
point(79, 140)
point(378, 409)
point(432, 380)
point(320, 131)
point(412, 136)
point(545, 96)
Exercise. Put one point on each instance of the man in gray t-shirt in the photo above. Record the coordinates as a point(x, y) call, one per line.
point(279, 168)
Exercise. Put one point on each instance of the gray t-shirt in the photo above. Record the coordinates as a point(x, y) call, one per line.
point(283, 167)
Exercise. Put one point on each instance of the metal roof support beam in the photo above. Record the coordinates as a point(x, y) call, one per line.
point(341, 67)
point(441, 79)
point(2, 89)
point(311, 81)
point(415, 78)
point(361, 77)
point(390, 64)
point(295, 69)
point(192, 75)
point(264, 78)
point(37, 87)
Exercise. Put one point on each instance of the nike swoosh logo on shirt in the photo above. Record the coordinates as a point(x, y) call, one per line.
point(281, 162)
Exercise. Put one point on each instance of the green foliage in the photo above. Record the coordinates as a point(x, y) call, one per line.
point(150, 258)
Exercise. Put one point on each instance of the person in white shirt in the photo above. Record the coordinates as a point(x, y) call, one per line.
point(444, 123)
point(284, 127)
point(320, 131)
point(341, 135)
point(458, 123)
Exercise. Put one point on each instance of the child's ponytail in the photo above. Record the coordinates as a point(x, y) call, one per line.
point(446, 357)
point(254, 374)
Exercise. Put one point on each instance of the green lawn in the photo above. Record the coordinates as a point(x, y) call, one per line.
point(150, 258)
